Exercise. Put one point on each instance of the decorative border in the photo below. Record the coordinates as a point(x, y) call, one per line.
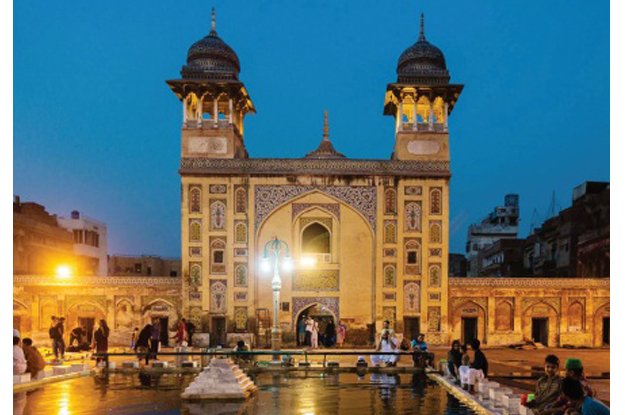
point(333, 208)
point(318, 167)
point(555, 282)
point(267, 198)
point(78, 281)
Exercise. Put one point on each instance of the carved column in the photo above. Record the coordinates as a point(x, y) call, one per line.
point(230, 108)
point(215, 112)
point(446, 115)
point(414, 113)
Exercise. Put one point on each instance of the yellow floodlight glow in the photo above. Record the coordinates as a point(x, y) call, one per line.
point(63, 271)
point(308, 261)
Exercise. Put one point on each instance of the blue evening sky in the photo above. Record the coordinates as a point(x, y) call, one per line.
point(97, 129)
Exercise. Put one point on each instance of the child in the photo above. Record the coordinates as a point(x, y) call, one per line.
point(133, 339)
point(548, 386)
point(574, 391)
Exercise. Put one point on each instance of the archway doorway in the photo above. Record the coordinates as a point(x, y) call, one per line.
point(326, 320)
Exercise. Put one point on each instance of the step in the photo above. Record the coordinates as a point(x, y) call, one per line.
point(79, 367)
point(60, 370)
point(192, 364)
point(501, 392)
point(23, 378)
point(160, 365)
point(512, 402)
point(130, 364)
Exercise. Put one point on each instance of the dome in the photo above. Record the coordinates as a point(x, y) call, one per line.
point(211, 58)
point(422, 63)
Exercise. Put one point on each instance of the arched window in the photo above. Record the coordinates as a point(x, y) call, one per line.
point(195, 230)
point(412, 257)
point(218, 260)
point(390, 233)
point(436, 197)
point(435, 232)
point(218, 215)
point(240, 198)
point(195, 200)
point(435, 276)
point(412, 216)
point(390, 280)
point(240, 276)
point(240, 233)
point(390, 202)
point(315, 239)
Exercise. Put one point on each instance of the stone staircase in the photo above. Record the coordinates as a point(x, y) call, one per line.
point(221, 380)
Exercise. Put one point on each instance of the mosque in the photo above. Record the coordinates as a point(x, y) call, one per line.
point(368, 238)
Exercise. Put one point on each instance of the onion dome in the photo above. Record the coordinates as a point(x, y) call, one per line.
point(422, 63)
point(211, 58)
point(326, 149)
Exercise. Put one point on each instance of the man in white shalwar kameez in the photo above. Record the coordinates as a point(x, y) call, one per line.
point(387, 344)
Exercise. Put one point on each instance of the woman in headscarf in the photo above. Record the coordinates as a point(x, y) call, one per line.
point(101, 339)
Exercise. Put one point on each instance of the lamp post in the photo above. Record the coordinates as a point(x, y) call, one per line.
point(272, 251)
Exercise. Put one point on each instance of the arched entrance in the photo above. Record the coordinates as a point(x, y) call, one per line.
point(469, 322)
point(324, 316)
point(541, 324)
point(602, 326)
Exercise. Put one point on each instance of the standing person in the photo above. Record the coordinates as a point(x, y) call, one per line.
point(309, 328)
point(190, 332)
point(301, 331)
point(548, 386)
point(19, 360)
point(57, 339)
point(133, 338)
point(330, 334)
point(341, 333)
point(314, 336)
point(101, 340)
point(61, 329)
point(34, 360)
point(574, 391)
point(454, 359)
point(155, 338)
point(386, 344)
point(181, 335)
point(142, 344)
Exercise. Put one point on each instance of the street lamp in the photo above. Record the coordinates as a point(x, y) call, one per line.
point(273, 249)
point(63, 272)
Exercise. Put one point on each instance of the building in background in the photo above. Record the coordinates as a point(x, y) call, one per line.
point(40, 245)
point(501, 223)
point(504, 258)
point(90, 243)
point(457, 265)
point(576, 242)
point(143, 266)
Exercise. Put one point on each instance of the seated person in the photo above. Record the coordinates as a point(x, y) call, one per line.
point(548, 386)
point(574, 391)
point(386, 344)
point(454, 360)
point(478, 369)
point(574, 370)
point(421, 346)
point(465, 367)
point(34, 360)
point(19, 361)
point(241, 347)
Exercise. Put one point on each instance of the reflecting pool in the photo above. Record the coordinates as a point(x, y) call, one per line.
point(285, 393)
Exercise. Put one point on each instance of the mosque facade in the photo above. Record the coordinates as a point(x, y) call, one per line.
point(368, 238)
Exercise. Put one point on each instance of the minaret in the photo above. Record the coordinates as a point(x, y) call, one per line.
point(214, 101)
point(421, 101)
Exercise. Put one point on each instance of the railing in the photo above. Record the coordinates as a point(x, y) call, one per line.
point(418, 355)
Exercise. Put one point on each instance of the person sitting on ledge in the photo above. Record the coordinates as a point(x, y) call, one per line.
point(574, 392)
point(574, 370)
point(19, 361)
point(241, 347)
point(34, 360)
point(387, 344)
point(548, 386)
point(479, 368)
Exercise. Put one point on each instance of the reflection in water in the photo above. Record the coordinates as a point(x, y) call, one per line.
point(285, 393)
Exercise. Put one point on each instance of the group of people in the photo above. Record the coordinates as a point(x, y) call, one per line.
point(389, 343)
point(148, 340)
point(568, 395)
point(26, 357)
point(460, 366)
point(78, 339)
point(308, 333)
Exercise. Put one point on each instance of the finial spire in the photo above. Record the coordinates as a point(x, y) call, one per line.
point(326, 127)
point(422, 30)
point(213, 20)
